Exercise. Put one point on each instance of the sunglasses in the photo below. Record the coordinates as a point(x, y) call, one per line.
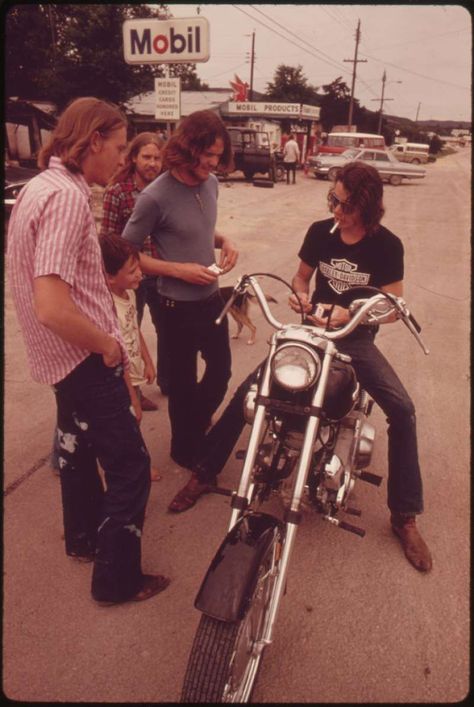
point(334, 202)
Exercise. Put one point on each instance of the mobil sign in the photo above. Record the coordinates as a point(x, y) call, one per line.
point(150, 41)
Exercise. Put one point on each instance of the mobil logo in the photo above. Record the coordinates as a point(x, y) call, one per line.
point(180, 40)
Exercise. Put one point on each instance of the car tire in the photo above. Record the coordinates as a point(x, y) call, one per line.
point(415, 161)
point(266, 183)
point(332, 174)
point(395, 180)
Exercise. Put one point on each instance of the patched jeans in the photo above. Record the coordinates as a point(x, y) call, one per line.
point(95, 422)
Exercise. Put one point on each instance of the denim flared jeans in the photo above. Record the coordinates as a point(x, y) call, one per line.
point(95, 422)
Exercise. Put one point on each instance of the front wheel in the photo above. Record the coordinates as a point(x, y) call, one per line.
point(332, 174)
point(395, 180)
point(225, 656)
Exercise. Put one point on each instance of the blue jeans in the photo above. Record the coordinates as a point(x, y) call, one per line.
point(190, 330)
point(95, 422)
point(147, 293)
point(377, 377)
point(405, 493)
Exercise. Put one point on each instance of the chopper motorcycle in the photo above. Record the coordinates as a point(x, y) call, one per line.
point(310, 433)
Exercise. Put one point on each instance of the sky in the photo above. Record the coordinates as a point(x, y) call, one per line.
point(424, 50)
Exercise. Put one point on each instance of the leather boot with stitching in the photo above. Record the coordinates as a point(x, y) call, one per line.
point(415, 548)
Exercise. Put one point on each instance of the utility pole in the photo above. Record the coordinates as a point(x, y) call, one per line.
point(417, 112)
point(355, 60)
point(252, 59)
point(382, 100)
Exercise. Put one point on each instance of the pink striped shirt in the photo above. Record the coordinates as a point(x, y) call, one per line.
point(52, 232)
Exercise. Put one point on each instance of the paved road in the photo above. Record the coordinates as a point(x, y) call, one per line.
point(357, 624)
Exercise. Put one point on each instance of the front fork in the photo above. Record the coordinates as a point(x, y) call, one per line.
point(292, 515)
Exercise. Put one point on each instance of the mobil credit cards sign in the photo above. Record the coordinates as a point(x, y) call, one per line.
point(180, 40)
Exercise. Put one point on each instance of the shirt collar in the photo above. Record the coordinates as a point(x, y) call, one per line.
point(76, 177)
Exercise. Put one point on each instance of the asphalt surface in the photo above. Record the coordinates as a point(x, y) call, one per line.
point(358, 624)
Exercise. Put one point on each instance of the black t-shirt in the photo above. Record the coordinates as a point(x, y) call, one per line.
point(374, 261)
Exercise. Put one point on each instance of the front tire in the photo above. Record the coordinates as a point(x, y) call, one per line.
point(225, 656)
point(395, 180)
point(332, 174)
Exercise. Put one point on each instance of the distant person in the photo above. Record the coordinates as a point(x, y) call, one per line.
point(179, 211)
point(74, 344)
point(143, 163)
point(291, 156)
point(122, 267)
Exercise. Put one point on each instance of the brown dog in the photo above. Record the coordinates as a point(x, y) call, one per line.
point(240, 311)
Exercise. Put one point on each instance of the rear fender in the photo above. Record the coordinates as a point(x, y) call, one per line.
point(230, 579)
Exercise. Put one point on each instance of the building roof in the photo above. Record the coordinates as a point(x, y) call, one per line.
point(191, 101)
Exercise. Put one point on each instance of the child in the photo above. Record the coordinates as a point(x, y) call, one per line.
point(122, 268)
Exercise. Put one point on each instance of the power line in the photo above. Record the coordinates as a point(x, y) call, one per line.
point(318, 51)
point(271, 29)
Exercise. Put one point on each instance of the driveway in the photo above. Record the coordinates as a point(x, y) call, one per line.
point(358, 624)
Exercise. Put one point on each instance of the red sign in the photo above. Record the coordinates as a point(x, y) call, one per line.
point(240, 89)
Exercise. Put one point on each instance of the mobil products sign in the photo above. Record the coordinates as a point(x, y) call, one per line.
point(150, 41)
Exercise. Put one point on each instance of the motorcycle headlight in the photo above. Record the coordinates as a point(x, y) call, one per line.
point(295, 367)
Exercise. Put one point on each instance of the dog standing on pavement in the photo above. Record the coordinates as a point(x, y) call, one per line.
point(240, 311)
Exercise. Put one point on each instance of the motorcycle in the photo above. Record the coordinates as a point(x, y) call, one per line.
point(310, 432)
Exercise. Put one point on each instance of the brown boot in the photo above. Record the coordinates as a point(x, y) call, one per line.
point(189, 494)
point(416, 550)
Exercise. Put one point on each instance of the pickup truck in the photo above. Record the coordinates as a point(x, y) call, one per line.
point(251, 149)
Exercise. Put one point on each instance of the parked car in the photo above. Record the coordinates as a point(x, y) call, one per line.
point(15, 180)
point(413, 152)
point(251, 149)
point(389, 168)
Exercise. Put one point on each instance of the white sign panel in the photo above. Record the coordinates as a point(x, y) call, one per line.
point(168, 99)
point(264, 108)
point(291, 110)
point(311, 112)
point(180, 40)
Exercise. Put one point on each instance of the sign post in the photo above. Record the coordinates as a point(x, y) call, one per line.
point(174, 41)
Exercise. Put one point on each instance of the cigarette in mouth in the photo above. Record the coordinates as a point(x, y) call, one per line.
point(334, 227)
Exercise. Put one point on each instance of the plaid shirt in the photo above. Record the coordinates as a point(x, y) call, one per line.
point(119, 201)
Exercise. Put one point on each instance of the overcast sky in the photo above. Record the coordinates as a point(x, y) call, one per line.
point(425, 47)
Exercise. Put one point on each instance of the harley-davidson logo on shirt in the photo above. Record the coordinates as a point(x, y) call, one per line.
point(342, 274)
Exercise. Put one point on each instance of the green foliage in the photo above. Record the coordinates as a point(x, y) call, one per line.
point(291, 86)
point(58, 52)
point(436, 145)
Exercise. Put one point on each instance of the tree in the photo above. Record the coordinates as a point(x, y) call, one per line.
point(335, 104)
point(60, 51)
point(291, 86)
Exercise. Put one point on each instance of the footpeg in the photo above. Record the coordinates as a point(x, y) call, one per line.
point(370, 478)
point(220, 490)
point(345, 526)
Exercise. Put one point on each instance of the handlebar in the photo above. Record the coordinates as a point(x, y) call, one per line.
point(363, 312)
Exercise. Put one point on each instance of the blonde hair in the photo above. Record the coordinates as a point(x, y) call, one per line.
point(73, 133)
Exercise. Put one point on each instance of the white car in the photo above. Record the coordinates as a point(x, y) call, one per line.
point(389, 168)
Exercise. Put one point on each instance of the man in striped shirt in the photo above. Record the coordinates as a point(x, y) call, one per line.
point(73, 343)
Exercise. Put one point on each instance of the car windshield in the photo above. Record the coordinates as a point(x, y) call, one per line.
point(349, 154)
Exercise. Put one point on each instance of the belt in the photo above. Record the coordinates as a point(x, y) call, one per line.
point(171, 303)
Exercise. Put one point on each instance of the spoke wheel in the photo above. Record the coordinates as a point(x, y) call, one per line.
point(225, 657)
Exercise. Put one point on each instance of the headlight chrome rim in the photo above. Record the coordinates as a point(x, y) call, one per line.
point(295, 367)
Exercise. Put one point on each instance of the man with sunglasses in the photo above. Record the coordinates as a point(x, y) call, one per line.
point(354, 250)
